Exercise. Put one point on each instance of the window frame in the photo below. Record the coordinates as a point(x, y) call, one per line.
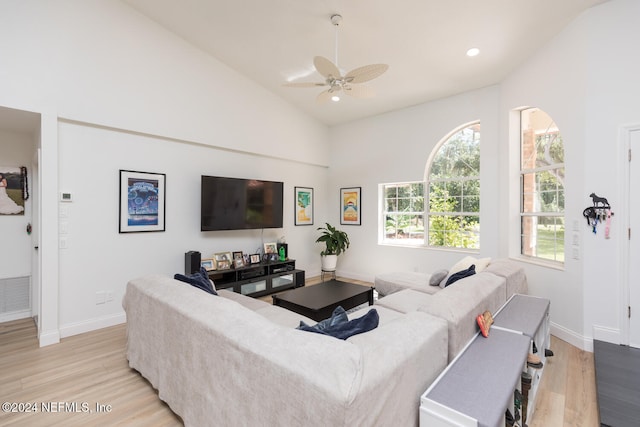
point(559, 214)
point(426, 213)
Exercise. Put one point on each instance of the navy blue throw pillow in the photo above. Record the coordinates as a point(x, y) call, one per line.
point(461, 275)
point(200, 280)
point(340, 327)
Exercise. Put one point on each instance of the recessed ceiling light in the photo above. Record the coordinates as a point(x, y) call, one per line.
point(474, 51)
point(335, 98)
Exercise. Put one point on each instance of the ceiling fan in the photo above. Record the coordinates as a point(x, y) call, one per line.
point(349, 83)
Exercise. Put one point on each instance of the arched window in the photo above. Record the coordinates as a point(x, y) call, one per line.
point(542, 220)
point(452, 189)
point(453, 186)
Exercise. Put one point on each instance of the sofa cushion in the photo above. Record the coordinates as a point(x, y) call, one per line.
point(389, 283)
point(405, 301)
point(512, 272)
point(248, 302)
point(282, 316)
point(460, 304)
point(437, 276)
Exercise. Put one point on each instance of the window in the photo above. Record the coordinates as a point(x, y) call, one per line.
point(453, 191)
point(542, 219)
point(404, 213)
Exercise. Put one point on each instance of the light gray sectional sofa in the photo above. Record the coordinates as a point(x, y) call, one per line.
point(458, 303)
point(232, 360)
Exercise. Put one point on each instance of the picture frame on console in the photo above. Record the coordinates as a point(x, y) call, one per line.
point(142, 201)
point(255, 259)
point(223, 260)
point(270, 248)
point(303, 214)
point(351, 206)
point(209, 264)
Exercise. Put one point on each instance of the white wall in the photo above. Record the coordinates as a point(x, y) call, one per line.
point(394, 147)
point(100, 66)
point(98, 258)
point(586, 79)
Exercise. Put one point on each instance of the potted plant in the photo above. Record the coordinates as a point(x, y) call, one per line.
point(335, 242)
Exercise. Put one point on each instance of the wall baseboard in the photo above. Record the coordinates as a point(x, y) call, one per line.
point(49, 338)
point(576, 340)
point(92, 324)
point(610, 335)
point(22, 314)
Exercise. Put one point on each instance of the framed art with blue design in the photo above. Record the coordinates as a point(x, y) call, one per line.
point(142, 201)
point(350, 206)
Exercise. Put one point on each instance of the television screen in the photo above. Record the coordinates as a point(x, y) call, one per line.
point(237, 204)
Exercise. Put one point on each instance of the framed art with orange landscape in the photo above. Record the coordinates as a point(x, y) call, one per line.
point(304, 206)
point(350, 206)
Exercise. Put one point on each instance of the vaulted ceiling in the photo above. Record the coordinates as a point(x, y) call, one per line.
point(423, 41)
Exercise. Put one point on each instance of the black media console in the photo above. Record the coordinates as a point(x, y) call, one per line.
point(257, 280)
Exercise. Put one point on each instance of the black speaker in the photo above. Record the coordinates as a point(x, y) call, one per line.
point(299, 278)
point(286, 249)
point(191, 262)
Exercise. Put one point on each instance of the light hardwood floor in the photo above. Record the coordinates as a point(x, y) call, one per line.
point(92, 369)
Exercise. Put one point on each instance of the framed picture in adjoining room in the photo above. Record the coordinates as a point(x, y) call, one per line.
point(142, 201)
point(304, 206)
point(350, 206)
point(208, 264)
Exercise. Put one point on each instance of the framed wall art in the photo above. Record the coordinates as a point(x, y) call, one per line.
point(304, 206)
point(13, 190)
point(350, 206)
point(142, 201)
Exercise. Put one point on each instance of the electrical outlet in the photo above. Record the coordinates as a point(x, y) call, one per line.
point(63, 244)
point(101, 297)
point(109, 296)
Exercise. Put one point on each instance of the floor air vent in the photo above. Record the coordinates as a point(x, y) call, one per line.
point(15, 297)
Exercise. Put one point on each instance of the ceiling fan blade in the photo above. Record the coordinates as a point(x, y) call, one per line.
point(359, 91)
point(324, 97)
point(304, 84)
point(325, 67)
point(366, 73)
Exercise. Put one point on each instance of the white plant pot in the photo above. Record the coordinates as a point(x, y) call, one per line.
point(329, 262)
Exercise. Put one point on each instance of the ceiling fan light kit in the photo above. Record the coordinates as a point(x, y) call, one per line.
point(350, 83)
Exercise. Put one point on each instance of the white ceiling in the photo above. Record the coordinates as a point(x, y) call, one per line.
point(423, 41)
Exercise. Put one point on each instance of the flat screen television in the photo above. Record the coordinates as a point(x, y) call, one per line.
point(240, 204)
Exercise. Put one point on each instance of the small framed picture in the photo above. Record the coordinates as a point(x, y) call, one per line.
point(223, 260)
point(238, 259)
point(350, 206)
point(247, 259)
point(255, 259)
point(304, 206)
point(270, 248)
point(208, 264)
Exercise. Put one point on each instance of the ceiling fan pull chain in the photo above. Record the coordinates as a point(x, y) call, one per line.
point(336, 46)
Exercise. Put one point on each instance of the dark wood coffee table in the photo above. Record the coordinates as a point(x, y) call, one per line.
point(317, 302)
